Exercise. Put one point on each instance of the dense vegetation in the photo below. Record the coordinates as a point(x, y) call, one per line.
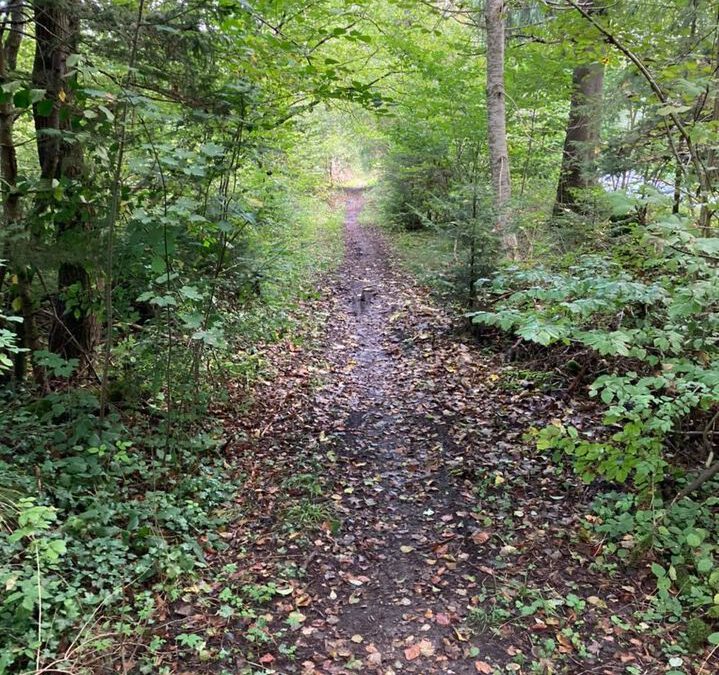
point(168, 180)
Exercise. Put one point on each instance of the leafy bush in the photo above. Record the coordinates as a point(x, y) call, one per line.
point(8, 338)
point(88, 514)
point(647, 312)
point(685, 535)
point(656, 327)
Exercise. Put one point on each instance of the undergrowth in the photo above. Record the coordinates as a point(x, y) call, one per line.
point(642, 314)
point(104, 515)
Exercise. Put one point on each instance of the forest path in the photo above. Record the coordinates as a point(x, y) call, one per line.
point(403, 568)
point(394, 516)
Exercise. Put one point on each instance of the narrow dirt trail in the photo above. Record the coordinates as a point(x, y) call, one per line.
point(389, 592)
point(440, 509)
point(395, 518)
point(385, 591)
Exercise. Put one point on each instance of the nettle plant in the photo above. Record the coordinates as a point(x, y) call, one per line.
point(657, 327)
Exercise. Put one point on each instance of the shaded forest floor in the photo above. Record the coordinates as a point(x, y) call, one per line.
point(392, 517)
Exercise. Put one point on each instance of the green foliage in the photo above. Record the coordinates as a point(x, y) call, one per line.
point(658, 325)
point(9, 346)
point(8, 343)
point(54, 364)
point(109, 513)
point(185, 219)
point(684, 535)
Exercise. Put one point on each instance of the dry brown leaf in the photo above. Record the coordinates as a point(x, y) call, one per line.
point(426, 648)
point(412, 652)
point(480, 537)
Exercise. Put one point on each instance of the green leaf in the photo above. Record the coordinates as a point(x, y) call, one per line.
point(22, 99)
point(107, 112)
point(658, 570)
point(705, 565)
point(709, 246)
point(191, 293)
point(212, 150)
point(672, 109)
point(694, 539)
point(44, 107)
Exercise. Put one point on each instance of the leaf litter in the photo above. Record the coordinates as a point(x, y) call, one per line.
point(392, 510)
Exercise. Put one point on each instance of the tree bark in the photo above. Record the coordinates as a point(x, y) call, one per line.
point(707, 212)
point(57, 33)
point(11, 202)
point(580, 144)
point(497, 121)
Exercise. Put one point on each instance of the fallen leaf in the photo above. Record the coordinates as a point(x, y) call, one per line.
point(483, 667)
point(479, 537)
point(412, 652)
point(374, 659)
point(426, 648)
point(442, 619)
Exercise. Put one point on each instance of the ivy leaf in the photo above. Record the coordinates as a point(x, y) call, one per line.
point(44, 107)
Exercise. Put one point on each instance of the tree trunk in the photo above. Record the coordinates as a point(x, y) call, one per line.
point(12, 206)
point(57, 32)
point(582, 138)
point(496, 121)
point(712, 156)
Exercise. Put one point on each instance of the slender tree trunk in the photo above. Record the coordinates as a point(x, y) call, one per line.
point(12, 206)
point(497, 122)
point(528, 158)
point(580, 144)
point(712, 157)
point(678, 177)
point(57, 32)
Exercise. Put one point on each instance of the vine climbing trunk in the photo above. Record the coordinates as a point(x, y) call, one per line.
point(57, 31)
point(495, 11)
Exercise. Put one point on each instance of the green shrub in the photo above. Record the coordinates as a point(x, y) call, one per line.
point(657, 329)
point(684, 537)
point(89, 517)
